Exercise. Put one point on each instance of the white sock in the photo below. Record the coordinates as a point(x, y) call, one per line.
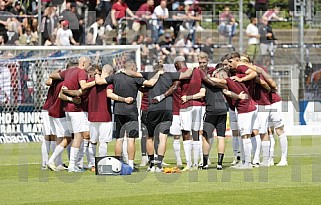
point(86, 144)
point(102, 150)
point(125, 153)
point(59, 149)
point(265, 151)
point(284, 146)
point(188, 152)
point(253, 141)
point(247, 145)
point(53, 145)
point(73, 156)
point(131, 163)
point(196, 152)
point(235, 145)
point(80, 160)
point(272, 144)
point(258, 148)
point(177, 151)
point(59, 159)
point(91, 155)
point(68, 149)
point(201, 147)
point(44, 151)
point(242, 149)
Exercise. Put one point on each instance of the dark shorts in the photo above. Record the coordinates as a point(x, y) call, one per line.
point(128, 123)
point(159, 122)
point(143, 119)
point(212, 122)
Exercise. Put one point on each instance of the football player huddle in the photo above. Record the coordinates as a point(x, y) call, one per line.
point(88, 105)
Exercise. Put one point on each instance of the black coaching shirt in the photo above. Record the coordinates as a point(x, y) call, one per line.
point(215, 100)
point(164, 82)
point(125, 86)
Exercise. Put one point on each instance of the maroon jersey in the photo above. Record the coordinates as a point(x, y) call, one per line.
point(230, 102)
point(250, 84)
point(176, 101)
point(49, 99)
point(144, 104)
point(242, 106)
point(190, 87)
point(274, 97)
point(261, 95)
point(56, 109)
point(71, 81)
point(99, 106)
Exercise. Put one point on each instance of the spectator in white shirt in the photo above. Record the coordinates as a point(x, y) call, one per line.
point(160, 13)
point(252, 32)
point(64, 35)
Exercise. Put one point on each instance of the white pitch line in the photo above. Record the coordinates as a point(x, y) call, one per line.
point(3, 165)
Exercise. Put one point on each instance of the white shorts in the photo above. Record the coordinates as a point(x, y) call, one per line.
point(47, 123)
point(101, 131)
point(176, 126)
point(77, 122)
point(233, 120)
point(245, 122)
point(276, 117)
point(263, 115)
point(203, 113)
point(86, 123)
point(61, 127)
point(191, 118)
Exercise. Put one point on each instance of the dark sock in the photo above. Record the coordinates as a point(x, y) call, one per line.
point(220, 158)
point(151, 160)
point(205, 159)
point(160, 161)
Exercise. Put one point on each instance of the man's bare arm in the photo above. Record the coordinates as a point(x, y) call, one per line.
point(268, 78)
point(208, 81)
point(72, 93)
point(55, 75)
point(86, 85)
point(66, 98)
point(186, 74)
point(196, 96)
point(235, 96)
point(110, 94)
point(168, 92)
point(263, 83)
point(49, 82)
point(151, 82)
point(100, 80)
point(218, 80)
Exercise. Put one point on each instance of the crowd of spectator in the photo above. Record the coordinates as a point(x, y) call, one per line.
point(162, 27)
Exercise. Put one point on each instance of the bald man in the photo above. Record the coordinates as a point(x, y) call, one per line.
point(75, 79)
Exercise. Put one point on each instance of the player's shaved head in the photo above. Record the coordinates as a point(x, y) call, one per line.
point(130, 65)
point(108, 69)
point(179, 59)
point(84, 62)
point(179, 62)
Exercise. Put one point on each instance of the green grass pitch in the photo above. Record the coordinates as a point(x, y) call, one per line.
point(23, 182)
